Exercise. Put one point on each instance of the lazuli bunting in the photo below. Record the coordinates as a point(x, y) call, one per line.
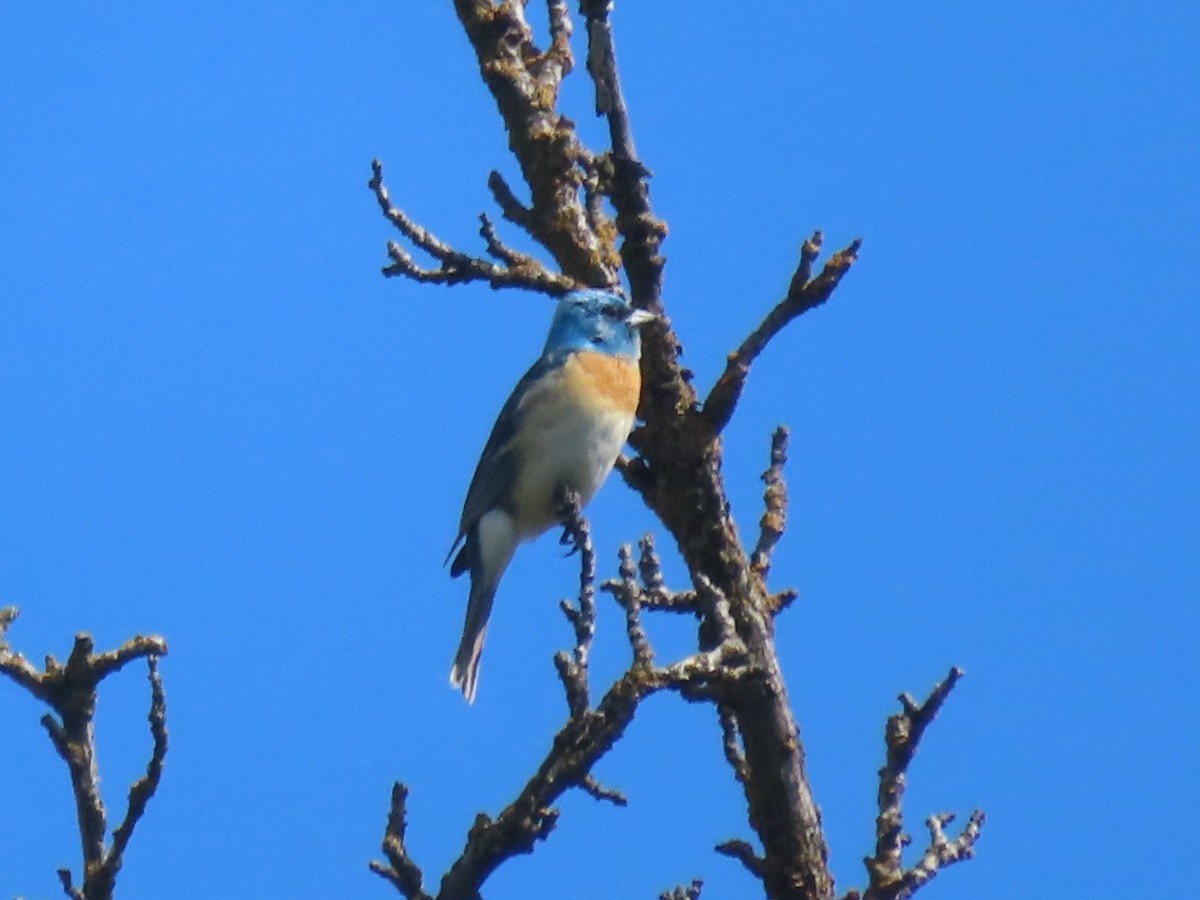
point(562, 428)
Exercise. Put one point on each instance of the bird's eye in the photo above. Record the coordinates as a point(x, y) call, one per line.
point(612, 311)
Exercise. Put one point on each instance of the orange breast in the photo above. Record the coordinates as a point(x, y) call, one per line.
point(603, 381)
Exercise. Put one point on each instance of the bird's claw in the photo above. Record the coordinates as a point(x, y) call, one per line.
point(571, 539)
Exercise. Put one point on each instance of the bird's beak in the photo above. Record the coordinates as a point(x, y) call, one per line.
point(639, 317)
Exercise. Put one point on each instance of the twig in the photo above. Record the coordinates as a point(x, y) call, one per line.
point(597, 185)
point(888, 880)
point(13, 664)
point(68, 885)
point(778, 602)
point(804, 293)
point(774, 518)
point(599, 791)
point(560, 36)
point(584, 739)
point(942, 851)
point(525, 82)
point(574, 673)
point(629, 596)
point(642, 232)
point(497, 248)
point(143, 789)
point(715, 606)
point(743, 853)
point(730, 744)
point(456, 267)
point(512, 209)
point(71, 692)
point(400, 870)
point(654, 594)
point(650, 566)
point(684, 891)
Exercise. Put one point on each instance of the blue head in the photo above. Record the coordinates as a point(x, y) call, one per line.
point(597, 320)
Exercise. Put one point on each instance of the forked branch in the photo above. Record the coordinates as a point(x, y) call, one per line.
point(71, 692)
point(587, 735)
point(888, 879)
point(514, 270)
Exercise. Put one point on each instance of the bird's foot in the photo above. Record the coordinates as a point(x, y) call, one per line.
point(572, 539)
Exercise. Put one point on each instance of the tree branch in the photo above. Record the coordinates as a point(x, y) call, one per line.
point(400, 871)
point(513, 209)
point(743, 853)
point(71, 692)
point(643, 233)
point(574, 672)
point(732, 745)
point(684, 892)
point(942, 852)
point(587, 735)
point(655, 595)
point(888, 879)
point(774, 518)
point(144, 788)
point(456, 267)
point(804, 293)
point(525, 82)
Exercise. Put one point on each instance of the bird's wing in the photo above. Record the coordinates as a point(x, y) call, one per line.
point(498, 464)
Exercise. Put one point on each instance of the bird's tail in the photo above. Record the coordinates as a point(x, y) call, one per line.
point(464, 674)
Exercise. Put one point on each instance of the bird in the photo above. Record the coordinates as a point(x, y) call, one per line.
point(560, 430)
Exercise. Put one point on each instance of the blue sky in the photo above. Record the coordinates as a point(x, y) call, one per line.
point(220, 424)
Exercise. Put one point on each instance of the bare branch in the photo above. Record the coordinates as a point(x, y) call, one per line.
point(68, 885)
point(560, 34)
point(497, 248)
point(743, 853)
point(139, 647)
point(512, 209)
point(777, 603)
point(629, 596)
point(803, 294)
point(577, 535)
point(71, 692)
point(584, 739)
point(650, 566)
point(143, 789)
point(594, 788)
point(642, 232)
point(684, 892)
point(654, 594)
point(731, 745)
point(574, 672)
point(774, 518)
point(401, 871)
point(888, 880)
point(456, 267)
point(715, 606)
point(13, 664)
point(597, 181)
point(942, 851)
point(525, 82)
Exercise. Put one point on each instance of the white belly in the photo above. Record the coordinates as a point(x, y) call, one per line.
point(574, 448)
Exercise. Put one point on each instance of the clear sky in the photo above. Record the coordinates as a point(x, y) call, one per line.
point(220, 424)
